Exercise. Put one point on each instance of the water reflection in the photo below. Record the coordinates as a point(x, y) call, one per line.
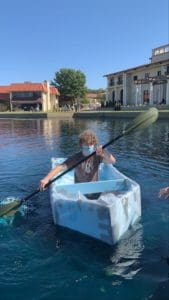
point(106, 130)
point(125, 260)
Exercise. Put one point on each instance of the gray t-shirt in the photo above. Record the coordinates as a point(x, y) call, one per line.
point(86, 171)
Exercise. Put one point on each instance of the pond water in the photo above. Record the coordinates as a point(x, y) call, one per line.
point(42, 261)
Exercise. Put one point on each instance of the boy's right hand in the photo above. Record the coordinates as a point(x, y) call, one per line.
point(42, 184)
point(164, 192)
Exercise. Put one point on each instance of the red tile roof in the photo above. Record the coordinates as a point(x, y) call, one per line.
point(28, 87)
point(91, 95)
point(4, 89)
point(54, 90)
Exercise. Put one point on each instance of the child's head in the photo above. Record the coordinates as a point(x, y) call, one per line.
point(88, 137)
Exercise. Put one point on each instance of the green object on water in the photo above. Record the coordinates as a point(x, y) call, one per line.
point(10, 208)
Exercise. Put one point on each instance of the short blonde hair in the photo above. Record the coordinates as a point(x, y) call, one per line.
point(88, 137)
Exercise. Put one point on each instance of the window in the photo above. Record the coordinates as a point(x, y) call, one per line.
point(158, 73)
point(135, 77)
point(111, 81)
point(26, 95)
point(167, 49)
point(120, 80)
point(147, 75)
point(156, 52)
point(167, 72)
point(113, 97)
point(161, 50)
point(146, 99)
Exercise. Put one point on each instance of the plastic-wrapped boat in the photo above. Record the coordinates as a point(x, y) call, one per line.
point(106, 218)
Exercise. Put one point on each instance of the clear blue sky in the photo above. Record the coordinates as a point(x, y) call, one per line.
point(97, 37)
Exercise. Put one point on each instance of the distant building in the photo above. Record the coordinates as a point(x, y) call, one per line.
point(144, 84)
point(29, 96)
point(92, 97)
point(95, 99)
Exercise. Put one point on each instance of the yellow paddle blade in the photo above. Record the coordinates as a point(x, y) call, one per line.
point(143, 120)
point(9, 208)
point(11, 213)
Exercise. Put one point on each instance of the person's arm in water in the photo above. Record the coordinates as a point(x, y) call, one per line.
point(108, 158)
point(50, 175)
point(164, 192)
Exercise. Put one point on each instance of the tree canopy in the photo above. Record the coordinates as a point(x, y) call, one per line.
point(70, 83)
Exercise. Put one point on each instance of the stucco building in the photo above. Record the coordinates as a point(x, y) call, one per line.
point(28, 95)
point(144, 84)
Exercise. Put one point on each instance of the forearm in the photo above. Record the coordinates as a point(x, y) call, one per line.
point(54, 172)
point(50, 175)
point(108, 158)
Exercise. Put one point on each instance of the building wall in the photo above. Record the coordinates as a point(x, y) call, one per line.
point(49, 102)
point(54, 102)
point(149, 82)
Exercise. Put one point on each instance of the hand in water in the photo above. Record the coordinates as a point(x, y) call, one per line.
point(164, 192)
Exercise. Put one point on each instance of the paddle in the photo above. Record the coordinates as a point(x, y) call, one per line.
point(142, 121)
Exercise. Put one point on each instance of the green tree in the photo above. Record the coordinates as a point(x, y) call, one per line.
point(70, 83)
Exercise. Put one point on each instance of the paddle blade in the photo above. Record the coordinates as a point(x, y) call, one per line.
point(143, 120)
point(9, 208)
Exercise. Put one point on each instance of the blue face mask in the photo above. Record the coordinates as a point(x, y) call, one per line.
point(87, 150)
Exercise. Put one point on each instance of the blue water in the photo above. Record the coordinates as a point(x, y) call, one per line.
point(42, 261)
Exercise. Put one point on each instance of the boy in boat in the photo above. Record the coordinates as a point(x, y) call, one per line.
point(87, 170)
